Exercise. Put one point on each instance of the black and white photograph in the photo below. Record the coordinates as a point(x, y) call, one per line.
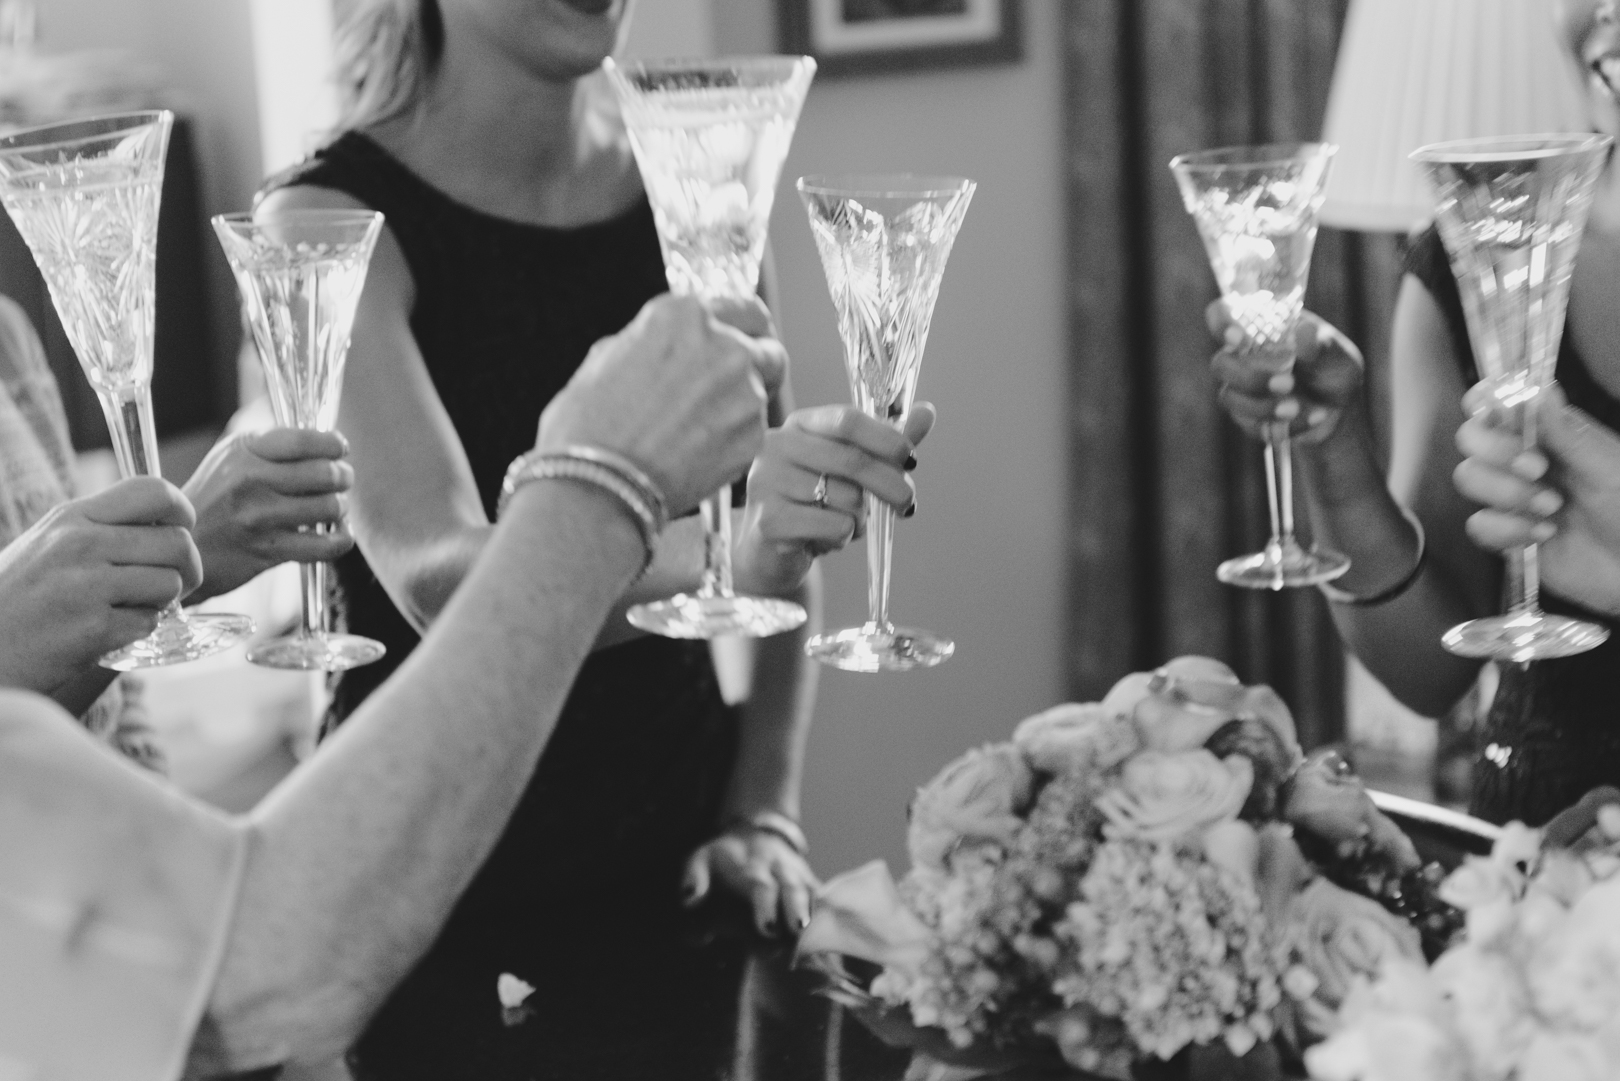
point(864, 36)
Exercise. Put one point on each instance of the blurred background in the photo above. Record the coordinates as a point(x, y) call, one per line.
point(1080, 487)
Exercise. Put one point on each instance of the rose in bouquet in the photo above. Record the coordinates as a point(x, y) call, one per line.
point(1531, 992)
point(1124, 881)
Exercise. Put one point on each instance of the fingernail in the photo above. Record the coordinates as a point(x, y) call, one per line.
point(1316, 416)
point(911, 463)
point(1547, 502)
point(1288, 409)
point(1530, 466)
point(1234, 336)
point(1543, 531)
point(1281, 383)
point(909, 511)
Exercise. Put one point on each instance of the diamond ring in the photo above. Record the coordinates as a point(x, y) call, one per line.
point(819, 496)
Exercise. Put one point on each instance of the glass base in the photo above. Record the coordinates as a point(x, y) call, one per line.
point(317, 652)
point(176, 641)
point(1283, 566)
point(687, 616)
point(1523, 636)
point(871, 648)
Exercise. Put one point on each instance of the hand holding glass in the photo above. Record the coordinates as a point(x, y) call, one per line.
point(85, 197)
point(1256, 209)
point(884, 241)
point(1511, 212)
point(300, 275)
point(710, 137)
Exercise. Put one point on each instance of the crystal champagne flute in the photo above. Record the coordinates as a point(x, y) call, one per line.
point(1256, 209)
point(300, 275)
point(85, 195)
point(710, 137)
point(1511, 212)
point(883, 242)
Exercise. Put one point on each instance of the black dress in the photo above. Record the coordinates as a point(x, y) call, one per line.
point(580, 898)
point(1553, 731)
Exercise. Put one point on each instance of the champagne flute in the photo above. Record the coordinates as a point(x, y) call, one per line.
point(1511, 212)
point(1256, 209)
point(710, 137)
point(300, 275)
point(883, 242)
point(85, 195)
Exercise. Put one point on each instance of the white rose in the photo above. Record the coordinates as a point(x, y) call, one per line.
point(1341, 936)
point(1076, 738)
point(1478, 882)
point(1164, 796)
point(980, 797)
point(1491, 1007)
point(1574, 973)
point(1566, 1056)
point(1388, 1047)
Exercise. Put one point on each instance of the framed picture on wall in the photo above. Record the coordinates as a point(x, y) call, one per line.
point(869, 37)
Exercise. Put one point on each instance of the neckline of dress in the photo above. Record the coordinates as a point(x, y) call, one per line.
point(371, 148)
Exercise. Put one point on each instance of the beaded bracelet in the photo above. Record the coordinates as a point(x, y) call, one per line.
point(1388, 593)
point(599, 468)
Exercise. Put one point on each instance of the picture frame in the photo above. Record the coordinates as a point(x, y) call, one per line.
point(870, 37)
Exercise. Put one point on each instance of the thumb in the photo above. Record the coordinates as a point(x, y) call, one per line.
point(919, 422)
point(695, 886)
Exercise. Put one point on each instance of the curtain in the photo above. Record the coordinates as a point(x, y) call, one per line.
point(1163, 486)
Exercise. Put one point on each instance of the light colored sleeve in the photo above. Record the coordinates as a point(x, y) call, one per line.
point(116, 893)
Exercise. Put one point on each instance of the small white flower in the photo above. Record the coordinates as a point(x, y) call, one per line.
point(512, 991)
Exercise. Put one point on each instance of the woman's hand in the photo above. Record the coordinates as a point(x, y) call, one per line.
point(1311, 398)
point(90, 577)
point(1564, 496)
point(840, 454)
point(257, 497)
point(762, 869)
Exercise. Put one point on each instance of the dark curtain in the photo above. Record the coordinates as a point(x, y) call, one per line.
point(1163, 485)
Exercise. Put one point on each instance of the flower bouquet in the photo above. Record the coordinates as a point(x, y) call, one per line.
point(1531, 992)
point(1159, 883)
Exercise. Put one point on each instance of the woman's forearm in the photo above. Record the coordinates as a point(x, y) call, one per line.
point(776, 717)
point(400, 808)
point(1353, 512)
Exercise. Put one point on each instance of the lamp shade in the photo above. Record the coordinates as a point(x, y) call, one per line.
point(1412, 72)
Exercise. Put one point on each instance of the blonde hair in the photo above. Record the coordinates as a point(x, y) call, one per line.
point(383, 52)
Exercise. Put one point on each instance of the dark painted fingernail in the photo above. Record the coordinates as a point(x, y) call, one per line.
point(909, 511)
point(911, 463)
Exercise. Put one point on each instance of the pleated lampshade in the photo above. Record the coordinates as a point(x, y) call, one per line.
point(1412, 72)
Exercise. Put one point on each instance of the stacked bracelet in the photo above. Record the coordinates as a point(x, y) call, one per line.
point(603, 469)
point(776, 824)
point(1390, 592)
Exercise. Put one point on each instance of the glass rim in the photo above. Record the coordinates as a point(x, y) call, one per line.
point(297, 215)
point(759, 62)
point(884, 185)
point(98, 128)
point(1491, 148)
point(1250, 156)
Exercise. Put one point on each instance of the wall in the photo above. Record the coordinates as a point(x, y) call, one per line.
point(982, 560)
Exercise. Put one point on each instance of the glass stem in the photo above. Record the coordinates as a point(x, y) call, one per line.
point(1524, 566)
point(134, 440)
point(879, 556)
point(1280, 485)
point(312, 576)
point(716, 512)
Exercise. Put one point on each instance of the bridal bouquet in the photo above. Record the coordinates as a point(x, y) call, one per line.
point(1531, 993)
point(1124, 881)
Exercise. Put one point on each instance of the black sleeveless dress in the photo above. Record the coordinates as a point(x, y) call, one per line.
point(1553, 731)
point(580, 898)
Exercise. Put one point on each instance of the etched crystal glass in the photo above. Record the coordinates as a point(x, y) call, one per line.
point(85, 195)
point(1256, 208)
point(300, 275)
point(710, 138)
point(884, 241)
point(1511, 212)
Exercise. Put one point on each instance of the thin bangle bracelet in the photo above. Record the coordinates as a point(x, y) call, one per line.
point(776, 824)
point(1388, 593)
